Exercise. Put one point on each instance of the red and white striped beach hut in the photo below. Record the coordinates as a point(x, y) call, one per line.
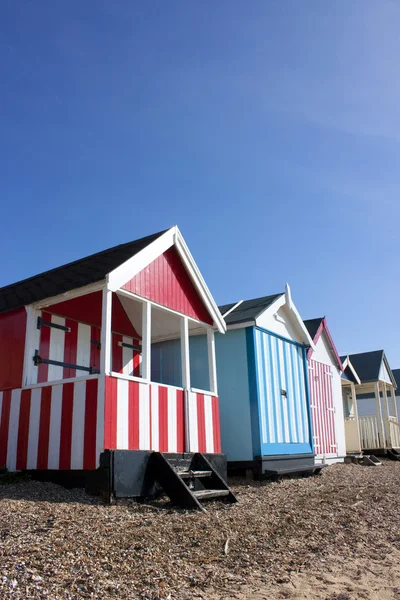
point(325, 369)
point(85, 366)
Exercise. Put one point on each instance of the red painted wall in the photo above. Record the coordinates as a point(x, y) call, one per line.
point(166, 282)
point(12, 347)
point(87, 309)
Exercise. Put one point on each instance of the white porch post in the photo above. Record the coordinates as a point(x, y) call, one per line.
point(185, 359)
point(146, 341)
point(355, 413)
point(185, 353)
point(379, 414)
point(386, 407)
point(212, 363)
point(105, 348)
point(393, 395)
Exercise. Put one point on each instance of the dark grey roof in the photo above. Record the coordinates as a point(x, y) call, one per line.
point(313, 325)
point(367, 364)
point(396, 375)
point(70, 276)
point(248, 310)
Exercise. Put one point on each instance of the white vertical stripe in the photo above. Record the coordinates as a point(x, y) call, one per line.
point(55, 427)
point(33, 370)
point(209, 423)
point(155, 435)
point(298, 398)
point(100, 418)
point(282, 362)
point(56, 350)
point(83, 350)
point(270, 396)
point(34, 422)
point(122, 414)
point(193, 432)
point(260, 338)
point(277, 393)
point(172, 421)
point(291, 393)
point(78, 425)
point(13, 430)
point(127, 356)
point(144, 416)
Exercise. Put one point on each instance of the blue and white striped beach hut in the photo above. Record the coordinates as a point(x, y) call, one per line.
point(263, 386)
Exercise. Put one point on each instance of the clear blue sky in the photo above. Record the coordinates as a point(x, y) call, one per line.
point(269, 131)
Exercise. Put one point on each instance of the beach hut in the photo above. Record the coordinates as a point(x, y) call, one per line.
point(376, 403)
point(349, 381)
point(263, 387)
point(81, 383)
point(325, 369)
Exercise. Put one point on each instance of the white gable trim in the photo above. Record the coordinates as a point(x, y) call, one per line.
point(347, 363)
point(117, 278)
point(296, 319)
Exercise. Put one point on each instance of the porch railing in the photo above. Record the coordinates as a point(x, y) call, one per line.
point(369, 433)
point(394, 431)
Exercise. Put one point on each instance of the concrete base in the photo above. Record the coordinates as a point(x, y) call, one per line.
point(269, 466)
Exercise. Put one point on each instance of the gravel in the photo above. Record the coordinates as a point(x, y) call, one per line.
point(60, 543)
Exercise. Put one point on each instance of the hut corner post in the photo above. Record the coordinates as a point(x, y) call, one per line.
point(387, 420)
point(379, 415)
point(394, 403)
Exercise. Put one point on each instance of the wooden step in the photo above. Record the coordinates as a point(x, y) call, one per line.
point(206, 494)
point(191, 474)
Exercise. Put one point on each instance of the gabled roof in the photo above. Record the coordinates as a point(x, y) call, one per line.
point(115, 267)
point(315, 327)
point(248, 310)
point(245, 312)
point(349, 372)
point(396, 375)
point(368, 365)
point(73, 275)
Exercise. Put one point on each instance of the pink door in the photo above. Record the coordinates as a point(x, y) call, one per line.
point(322, 408)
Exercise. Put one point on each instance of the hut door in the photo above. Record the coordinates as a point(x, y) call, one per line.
point(322, 407)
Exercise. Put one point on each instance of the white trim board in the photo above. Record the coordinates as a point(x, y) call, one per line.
point(173, 237)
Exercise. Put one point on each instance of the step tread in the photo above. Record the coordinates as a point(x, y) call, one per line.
point(204, 494)
point(190, 474)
